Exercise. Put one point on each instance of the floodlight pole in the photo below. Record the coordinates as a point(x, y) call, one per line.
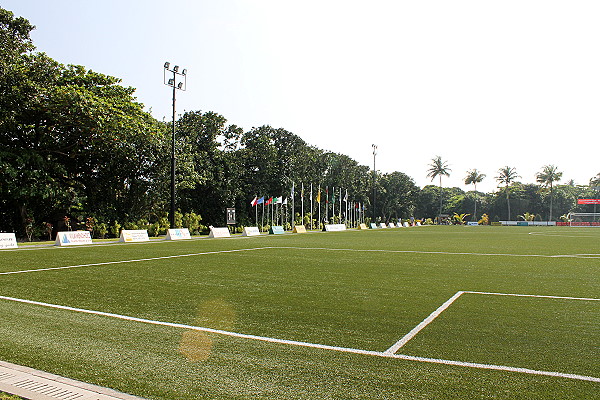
point(374, 179)
point(181, 86)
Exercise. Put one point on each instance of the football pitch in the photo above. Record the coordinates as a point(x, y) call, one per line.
point(409, 313)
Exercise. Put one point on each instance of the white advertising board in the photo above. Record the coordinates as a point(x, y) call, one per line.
point(382, 225)
point(391, 225)
point(73, 238)
point(178, 234)
point(251, 231)
point(8, 241)
point(335, 227)
point(134, 235)
point(219, 232)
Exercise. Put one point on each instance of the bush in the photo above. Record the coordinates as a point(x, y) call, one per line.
point(115, 229)
point(191, 221)
point(100, 230)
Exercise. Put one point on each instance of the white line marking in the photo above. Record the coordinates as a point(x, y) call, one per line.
point(313, 345)
point(131, 261)
point(423, 324)
point(442, 252)
point(534, 295)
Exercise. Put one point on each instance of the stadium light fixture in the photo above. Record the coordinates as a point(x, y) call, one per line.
point(176, 84)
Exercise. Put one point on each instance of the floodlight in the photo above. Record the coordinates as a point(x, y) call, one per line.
point(179, 85)
point(167, 65)
point(184, 72)
point(176, 68)
point(171, 82)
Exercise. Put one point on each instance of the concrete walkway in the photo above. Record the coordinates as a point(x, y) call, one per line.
point(39, 385)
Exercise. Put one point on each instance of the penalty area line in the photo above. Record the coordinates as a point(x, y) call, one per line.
point(312, 345)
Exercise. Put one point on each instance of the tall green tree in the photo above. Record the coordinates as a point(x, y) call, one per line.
point(546, 178)
point(507, 175)
point(473, 178)
point(438, 168)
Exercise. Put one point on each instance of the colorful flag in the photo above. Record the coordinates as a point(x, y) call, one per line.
point(319, 196)
point(278, 200)
point(254, 201)
point(327, 194)
point(261, 200)
point(269, 201)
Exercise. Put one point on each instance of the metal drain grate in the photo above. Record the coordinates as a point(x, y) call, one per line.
point(39, 385)
point(47, 389)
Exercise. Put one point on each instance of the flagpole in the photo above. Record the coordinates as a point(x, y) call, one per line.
point(302, 201)
point(293, 208)
point(319, 206)
point(340, 205)
point(327, 203)
point(311, 207)
point(262, 223)
point(333, 203)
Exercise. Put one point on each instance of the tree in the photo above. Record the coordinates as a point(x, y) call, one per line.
point(546, 178)
point(507, 175)
point(14, 38)
point(474, 177)
point(438, 168)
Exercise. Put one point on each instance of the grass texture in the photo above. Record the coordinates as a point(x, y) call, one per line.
point(357, 289)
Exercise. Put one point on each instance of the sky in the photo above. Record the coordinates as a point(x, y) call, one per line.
point(482, 84)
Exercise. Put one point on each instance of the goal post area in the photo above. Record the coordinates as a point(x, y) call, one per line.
point(582, 219)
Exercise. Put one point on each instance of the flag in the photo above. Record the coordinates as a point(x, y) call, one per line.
point(292, 190)
point(319, 196)
point(269, 201)
point(284, 201)
point(278, 200)
point(346, 196)
point(261, 200)
point(302, 191)
point(327, 194)
point(254, 201)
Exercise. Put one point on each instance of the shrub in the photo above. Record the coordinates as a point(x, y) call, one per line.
point(191, 221)
point(115, 229)
point(100, 230)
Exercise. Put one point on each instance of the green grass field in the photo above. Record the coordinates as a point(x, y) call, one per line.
point(314, 316)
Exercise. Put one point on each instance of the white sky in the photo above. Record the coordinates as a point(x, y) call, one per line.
point(482, 84)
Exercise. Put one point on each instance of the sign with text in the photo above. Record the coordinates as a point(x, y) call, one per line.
point(251, 231)
point(362, 226)
point(299, 229)
point(73, 238)
point(335, 227)
point(219, 232)
point(231, 216)
point(8, 241)
point(134, 235)
point(276, 230)
point(178, 234)
point(588, 201)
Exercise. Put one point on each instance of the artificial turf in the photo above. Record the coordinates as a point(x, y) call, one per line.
point(355, 289)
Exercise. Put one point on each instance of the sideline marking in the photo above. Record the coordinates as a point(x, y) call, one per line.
point(586, 256)
point(132, 261)
point(314, 345)
point(582, 256)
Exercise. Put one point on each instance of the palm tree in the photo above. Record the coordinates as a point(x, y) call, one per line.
point(474, 177)
point(507, 175)
point(546, 178)
point(438, 168)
